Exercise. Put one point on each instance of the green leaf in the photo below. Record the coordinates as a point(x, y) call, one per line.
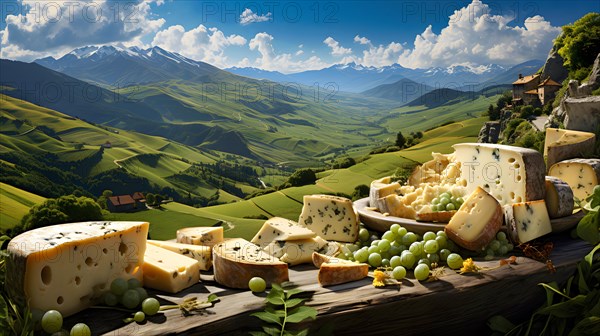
point(276, 287)
point(274, 331)
point(258, 333)
point(500, 324)
point(589, 258)
point(303, 332)
point(267, 317)
point(293, 302)
point(567, 309)
point(301, 313)
point(292, 292)
point(587, 229)
point(276, 300)
point(587, 326)
point(276, 296)
point(553, 287)
point(272, 310)
point(583, 287)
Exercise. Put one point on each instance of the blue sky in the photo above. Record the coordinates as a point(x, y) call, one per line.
point(292, 36)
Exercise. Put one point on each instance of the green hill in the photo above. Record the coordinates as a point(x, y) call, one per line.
point(14, 204)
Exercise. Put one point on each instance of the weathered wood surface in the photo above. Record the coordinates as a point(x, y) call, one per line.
point(455, 304)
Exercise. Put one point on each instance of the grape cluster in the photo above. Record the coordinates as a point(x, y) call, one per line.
point(130, 294)
point(446, 202)
point(402, 250)
point(497, 247)
point(52, 323)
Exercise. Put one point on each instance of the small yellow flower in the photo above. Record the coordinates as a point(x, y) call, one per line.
point(379, 278)
point(469, 267)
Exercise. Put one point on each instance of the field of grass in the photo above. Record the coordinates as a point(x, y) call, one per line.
point(14, 204)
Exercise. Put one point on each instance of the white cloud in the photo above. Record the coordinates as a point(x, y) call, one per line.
point(54, 27)
point(476, 36)
point(336, 48)
point(381, 55)
point(201, 43)
point(361, 40)
point(248, 17)
point(299, 52)
point(270, 60)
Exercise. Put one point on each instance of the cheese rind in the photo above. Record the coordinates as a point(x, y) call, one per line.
point(527, 221)
point(559, 198)
point(319, 258)
point(381, 188)
point(295, 252)
point(336, 273)
point(236, 261)
point(169, 271)
point(330, 217)
point(476, 222)
point(563, 144)
point(68, 267)
point(510, 174)
point(280, 229)
point(582, 175)
point(201, 253)
point(207, 236)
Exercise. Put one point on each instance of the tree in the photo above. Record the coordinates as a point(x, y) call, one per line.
point(60, 210)
point(400, 140)
point(150, 199)
point(579, 43)
point(107, 193)
point(360, 191)
point(527, 111)
point(302, 177)
point(493, 112)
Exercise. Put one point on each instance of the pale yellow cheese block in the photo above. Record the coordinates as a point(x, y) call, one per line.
point(169, 271)
point(582, 175)
point(280, 229)
point(527, 221)
point(336, 273)
point(201, 253)
point(563, 144)
point(330, 217)
point(207, 236)
point(295, 252)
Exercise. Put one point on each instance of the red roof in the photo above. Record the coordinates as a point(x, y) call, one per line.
point(525, 79)
point(138, 196)
point(549, 82)
point(121, 200)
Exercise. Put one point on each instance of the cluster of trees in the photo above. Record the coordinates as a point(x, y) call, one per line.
point(411, 140)
point(579, 44)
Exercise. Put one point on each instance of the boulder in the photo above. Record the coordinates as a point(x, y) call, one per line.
point(554, 68)
point(582, 114)
point(490, 132)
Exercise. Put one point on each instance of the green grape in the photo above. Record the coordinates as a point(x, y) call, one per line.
point(441, 234)
point(110, 299)
point(256, 285)
point(52, 321)
point(454, 261)
point(494, 245)
point(450, 245)
point(384, 245)
point(444, 201)
point(361, 255)
point(510, 247)
point(435, 201)
point(421, 272)
point(363, 234)
point(429, 236)
point(389, 236)
point(412, 237)
point(399, 273)
point(345, 256)
point(407, 259)
point(139, 317)
point(385, 262)
point(488, 257)
point(385, 255)
point(460, 200)
point(431, 246)
point(375, 259)
point(150, 306)
point(501, 236)
point(424, 261)
point(442, 241)
point(450, 207)
point(373, 249)
point(133, 283)
point(444, 253)
point(433, 257)
point(81, 329)
point(489, 252)
point(375, 242)
point(130, 299)
point(118, 286)
point(446, 194)
point(142, 293)
point(401, 231)
point(394, 228)
point(394, 250)
point(62, 332)
point(358, 243)
point(395, 261)
point(416, 248)
point(352, 247)
point(503, 250)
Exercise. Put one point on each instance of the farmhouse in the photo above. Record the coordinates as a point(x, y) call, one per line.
point(533, 90)
point(126, 203)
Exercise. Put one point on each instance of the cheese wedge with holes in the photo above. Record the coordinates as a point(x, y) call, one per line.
point(68, 267)
point(510, 174)
point(476, 222)
point(295, 252)
point(381, 188)
point(280, 229)
point(201, 253)
point(319, 258)
point(207, 236)
point(559, 198)
point(563, 144)
point(527, 221)
point(169, 271)
point(582, 175)
point(330, 217)
point(236, 261)
point(335, 273)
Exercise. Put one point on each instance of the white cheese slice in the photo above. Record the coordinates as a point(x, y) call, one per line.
point(510, 174)
point(559, 198)
point(330, 217)
point(201, 253)
point(335, 273)
point(207, 236)
point(476, 222)
point(295, 252)
point(582, 175)
point(68, 267)
point(527, 221)
point(381, 188)
point(280, 229)
point(236, 261)
point(563, 144)
point(169, 271)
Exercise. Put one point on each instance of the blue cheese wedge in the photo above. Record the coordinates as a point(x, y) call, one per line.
point(330, 217)
point(563, 144)
point(201, 253)
point(582, 175)
point(527, 221)
point(559, 198)
point(68, 267)
point(206, 236)
point(295, 252)
point(280, 229)
point(510, 174)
